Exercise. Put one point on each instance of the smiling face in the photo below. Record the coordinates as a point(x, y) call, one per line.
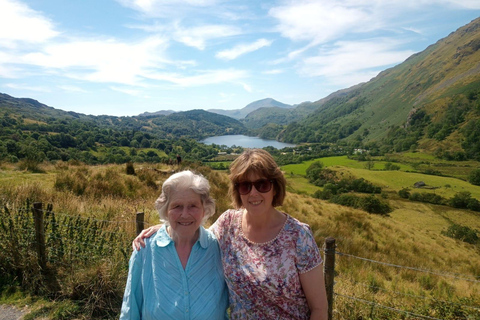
point(255, 201)
point(185, 213)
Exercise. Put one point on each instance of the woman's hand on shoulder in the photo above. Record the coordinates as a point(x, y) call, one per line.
point(146, 233)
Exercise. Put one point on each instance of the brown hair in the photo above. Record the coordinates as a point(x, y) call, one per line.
point(260, 162)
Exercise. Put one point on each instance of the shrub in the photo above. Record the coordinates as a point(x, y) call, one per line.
point(404, 193)
point(361, 185)
point(390, 166)
point(462, 233)
point(427, 197)
point(130, 169)
point(370, 204)
point(460, 200)
point(474, 177)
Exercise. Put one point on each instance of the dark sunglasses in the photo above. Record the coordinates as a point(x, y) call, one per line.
point(262, 185)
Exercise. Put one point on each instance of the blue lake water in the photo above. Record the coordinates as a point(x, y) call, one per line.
point(240, 140)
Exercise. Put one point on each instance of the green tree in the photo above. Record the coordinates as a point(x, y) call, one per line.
point(474, 177)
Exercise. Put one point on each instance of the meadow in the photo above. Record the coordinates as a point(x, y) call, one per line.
point(395, 266)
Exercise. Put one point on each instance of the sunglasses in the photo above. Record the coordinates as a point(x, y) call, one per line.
point(262, 186)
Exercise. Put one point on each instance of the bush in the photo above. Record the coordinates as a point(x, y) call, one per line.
point(427, 197)
point(461, 200)
point(389, 166)
point(404, 193)
point(370, 204)
point(130, 170)
point(463, 233)
point(474, 177)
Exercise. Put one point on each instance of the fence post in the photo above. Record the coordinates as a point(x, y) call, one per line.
point(140, 222)
point(329, 272)
point(40, 235)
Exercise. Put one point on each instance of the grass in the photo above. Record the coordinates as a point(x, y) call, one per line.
point(410, 236)
point(393, 181)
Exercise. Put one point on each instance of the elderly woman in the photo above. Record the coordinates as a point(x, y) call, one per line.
point(179, 275)
point(271, 262)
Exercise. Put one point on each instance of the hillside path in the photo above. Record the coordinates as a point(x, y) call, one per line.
point(10, 313)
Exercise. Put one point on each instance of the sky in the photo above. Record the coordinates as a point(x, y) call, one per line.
point(126, 57)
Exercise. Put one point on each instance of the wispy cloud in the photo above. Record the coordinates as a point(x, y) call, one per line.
point(348, 63)
point(102, 61)
point(197, 37)
point(28, 87)
point(132, 92)
point(207, 77)
point(20, 23)
point(72, 89)
point(274, 71)
point(165, 8)
point(241, 49)
point(320, 21)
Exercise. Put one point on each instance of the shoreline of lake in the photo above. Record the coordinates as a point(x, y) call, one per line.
point(243, 141)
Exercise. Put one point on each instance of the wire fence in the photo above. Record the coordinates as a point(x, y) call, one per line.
point(473, 280)
point(67, 241)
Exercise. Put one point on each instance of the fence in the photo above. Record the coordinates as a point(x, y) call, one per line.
point(330, 254)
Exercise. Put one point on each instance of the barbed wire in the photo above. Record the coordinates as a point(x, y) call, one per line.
point(416, 296)
point(409, 313)
point(86, 218)
point(438, 273)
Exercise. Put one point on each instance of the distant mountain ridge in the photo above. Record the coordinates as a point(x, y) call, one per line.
point(242, 113)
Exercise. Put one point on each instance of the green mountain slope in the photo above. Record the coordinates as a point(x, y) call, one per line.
point(35, 132)
point(430, 88)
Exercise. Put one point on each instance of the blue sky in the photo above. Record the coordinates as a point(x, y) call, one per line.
point(125, 57)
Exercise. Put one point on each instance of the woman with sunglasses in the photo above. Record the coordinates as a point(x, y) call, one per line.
point(271, 262)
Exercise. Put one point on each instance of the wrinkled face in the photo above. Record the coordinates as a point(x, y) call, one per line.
point(256, 201)
point(185, 212)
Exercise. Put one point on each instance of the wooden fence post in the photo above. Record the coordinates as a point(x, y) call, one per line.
point(40, 235)
point(329, 273)
point(140, 222)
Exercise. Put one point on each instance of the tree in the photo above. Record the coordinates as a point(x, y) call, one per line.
point(314, 171)
point(474, 177)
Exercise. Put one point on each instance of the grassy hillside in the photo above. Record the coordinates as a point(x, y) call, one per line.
point(410, 236)
point(430, 102)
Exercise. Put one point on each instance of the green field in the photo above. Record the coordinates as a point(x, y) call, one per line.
point(445, 186)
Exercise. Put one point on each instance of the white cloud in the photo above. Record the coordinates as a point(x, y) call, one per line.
point(28, 87)
point(205, 78)
point(164, 8)
point(348, 63)
point(247, 87)
point(273, 71)
point(20, 23)
point(321, 21)
point(242, 49)
point(72, 89)
point(102, 61)
point(198, 36)
point(132, 92)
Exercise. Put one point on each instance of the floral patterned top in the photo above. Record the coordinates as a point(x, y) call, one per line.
point(263, 278)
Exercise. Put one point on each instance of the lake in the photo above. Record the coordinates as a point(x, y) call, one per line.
point(240, 140)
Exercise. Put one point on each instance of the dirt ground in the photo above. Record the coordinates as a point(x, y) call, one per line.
point(10, 313)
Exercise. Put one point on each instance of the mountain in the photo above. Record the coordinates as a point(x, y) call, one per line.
point(33, 109)
point(430, 101)
point(283, 116)
point(242, 113)
point(157, 113)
